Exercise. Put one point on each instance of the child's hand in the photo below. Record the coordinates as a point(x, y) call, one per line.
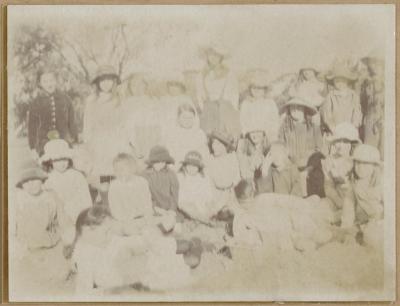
point(35, 155)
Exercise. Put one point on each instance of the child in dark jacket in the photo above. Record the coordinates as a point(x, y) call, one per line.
point(163, 182)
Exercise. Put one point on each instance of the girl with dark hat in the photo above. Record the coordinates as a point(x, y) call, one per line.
point(163, 182)
point(102, 120)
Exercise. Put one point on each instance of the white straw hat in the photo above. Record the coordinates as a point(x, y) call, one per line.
point(56, 149)
point(367, 154)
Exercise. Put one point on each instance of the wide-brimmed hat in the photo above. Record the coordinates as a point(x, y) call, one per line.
point(106, 71)
point(223, 137)
point(33, 173)
point(367, 154)
point(345, 131)
point(193, 158)
point(56, 149)
point(159, 154)
point(297, 101)
point(342, 71)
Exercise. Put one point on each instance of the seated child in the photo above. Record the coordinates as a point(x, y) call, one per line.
point(195, 190)
point(337, 166)
point(34, 223)
point(34, 233)
point(163, 182)
point(363, 204)
point(223, 168)
point(69, 185)
point(129, 195)
point(280, 175)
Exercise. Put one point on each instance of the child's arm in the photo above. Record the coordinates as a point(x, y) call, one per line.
point(174, 189)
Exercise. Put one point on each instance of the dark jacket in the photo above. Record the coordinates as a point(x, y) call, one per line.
point(50, 113)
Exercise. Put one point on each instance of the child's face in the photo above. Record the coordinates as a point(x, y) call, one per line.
point(60, 165)
point(48, 82)
point(218, 147)
point(297, 112)
point(257, 137)
point(124, 170)
point(106, 85)
point(340, 83)
point(191, 170)
point(341, 148)
point(364, 170)
point(186, 119)
point(309, 74)
point(214, 59)
point(159, 166)
point(257, 91)
point(33, 187)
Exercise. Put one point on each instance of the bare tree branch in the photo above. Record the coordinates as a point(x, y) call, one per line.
point(58, 49)
point(80, 60)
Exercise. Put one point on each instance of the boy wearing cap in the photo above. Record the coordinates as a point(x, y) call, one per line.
point(51, 115)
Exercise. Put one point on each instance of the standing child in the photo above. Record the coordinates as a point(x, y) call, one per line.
point(102, 122)
point(218, 94)
point(129, 195)
point(300, 135)
point(69, 185)
point(338, 165)
point(280, 175)
point(259, 105)
point(51, 115)
point(186, 135)
point(342, 104)
point(363, 204)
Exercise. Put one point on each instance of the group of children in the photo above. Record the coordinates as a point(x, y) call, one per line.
point(153, 186)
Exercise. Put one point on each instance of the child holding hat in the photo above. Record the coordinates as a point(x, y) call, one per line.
point(363, 204)
point(69, 185)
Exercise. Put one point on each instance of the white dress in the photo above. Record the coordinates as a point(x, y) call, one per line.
point(102, 132)
point(72, 189)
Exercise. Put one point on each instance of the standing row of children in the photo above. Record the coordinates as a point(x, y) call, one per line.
point(176, 170)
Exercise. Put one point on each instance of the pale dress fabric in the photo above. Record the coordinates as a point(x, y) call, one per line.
point(103, 125)
point(72, 189)
point(262, 110)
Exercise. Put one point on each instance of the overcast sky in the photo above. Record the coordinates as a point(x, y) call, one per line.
point(281, 38)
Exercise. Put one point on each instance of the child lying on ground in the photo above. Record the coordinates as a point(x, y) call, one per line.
point(280, 222)
point(106, 261)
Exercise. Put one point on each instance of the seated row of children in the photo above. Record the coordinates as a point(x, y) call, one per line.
point(196, 207)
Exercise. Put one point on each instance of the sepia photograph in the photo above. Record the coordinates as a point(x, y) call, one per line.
point(201, 153)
